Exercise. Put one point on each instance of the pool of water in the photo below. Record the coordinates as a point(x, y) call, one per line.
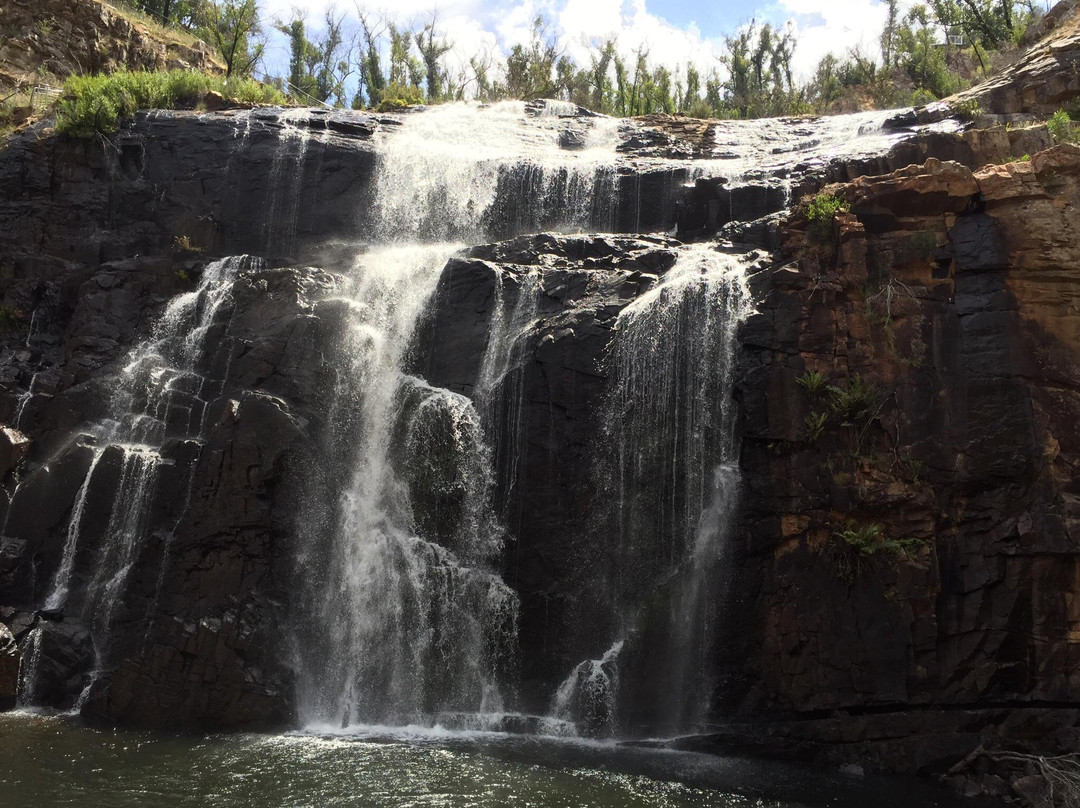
point(55, 761)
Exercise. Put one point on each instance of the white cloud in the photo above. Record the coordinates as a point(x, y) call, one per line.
point(825, 26)
point(478, 26)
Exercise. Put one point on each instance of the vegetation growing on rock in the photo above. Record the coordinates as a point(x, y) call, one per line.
point(387, 64)
point(95, 105)
point(1062, 128)
point(820, 212)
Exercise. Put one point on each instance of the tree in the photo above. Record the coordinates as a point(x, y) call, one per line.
point(302, 53)
point(187, 14)
point(919, 56)
point(331, 67)
point(889, 32)
point(372, 80)
point(760, 78)
point(602, 91)
point(432, 49)
point(692, 94)
point(825, 87)
point(530, 68)
point(232, 27)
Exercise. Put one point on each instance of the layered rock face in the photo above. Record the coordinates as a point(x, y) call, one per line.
point(1044, 77)
point(906, 537)
point(912, 516)
point(43, 40)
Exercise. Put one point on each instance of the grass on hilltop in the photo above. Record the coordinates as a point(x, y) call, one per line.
point(93, 106)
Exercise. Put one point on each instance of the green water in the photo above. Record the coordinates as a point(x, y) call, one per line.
point(52, 761)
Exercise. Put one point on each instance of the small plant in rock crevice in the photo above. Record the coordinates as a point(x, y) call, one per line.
point(184, 244)
point(967, 110)
point(853, 401)
point(856, 547)
point(815, 425)
point(820, 212)
point(10, 318)
point(811, 381)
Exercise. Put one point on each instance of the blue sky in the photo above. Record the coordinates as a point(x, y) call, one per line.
point(674, 31)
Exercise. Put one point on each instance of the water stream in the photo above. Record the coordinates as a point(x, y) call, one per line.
point(161, 392)
point(412, 623)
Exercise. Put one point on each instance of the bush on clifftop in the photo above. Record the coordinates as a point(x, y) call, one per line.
point(94, 105)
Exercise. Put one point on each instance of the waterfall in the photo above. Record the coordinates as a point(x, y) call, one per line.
point(162, 391)
point(499, 395)
point(466, 172)
point(411, 620)
point(28, 668)
point(668, 470)
point(588, 698)
point(401, 613)
point(285, 181)
point(407, 624)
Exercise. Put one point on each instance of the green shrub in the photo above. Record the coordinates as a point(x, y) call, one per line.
point(811, 381)
point(1061, 128)
point(854, 546)
point(399, 96)
point(94, 105)
point(820, 213)
point(921, 97)
point(967, 110)
point(815, 425)
point(855, 400)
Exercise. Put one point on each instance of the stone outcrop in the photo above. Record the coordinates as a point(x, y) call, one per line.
point(1044, 78)
point(947, 299)
point(57, 38)
point(9, 668)
point(195, 641)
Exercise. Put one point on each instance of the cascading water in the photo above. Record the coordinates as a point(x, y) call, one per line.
point(467, 173)
point(406, 625)
point(162, 392)
point(670, 468)
point(411, 621)
point(285, 181)
point(405, 618)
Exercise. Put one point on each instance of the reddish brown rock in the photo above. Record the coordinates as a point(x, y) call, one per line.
point(955, 297)
point(62, 37)
point(1044, 78)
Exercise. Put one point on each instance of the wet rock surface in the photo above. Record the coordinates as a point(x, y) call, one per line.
point(949, 293)
point(549, 410)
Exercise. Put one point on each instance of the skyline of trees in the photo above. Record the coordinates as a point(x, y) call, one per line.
point(369, 60)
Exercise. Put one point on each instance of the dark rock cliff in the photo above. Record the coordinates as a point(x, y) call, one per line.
point(917, 552)
point(939, 438)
